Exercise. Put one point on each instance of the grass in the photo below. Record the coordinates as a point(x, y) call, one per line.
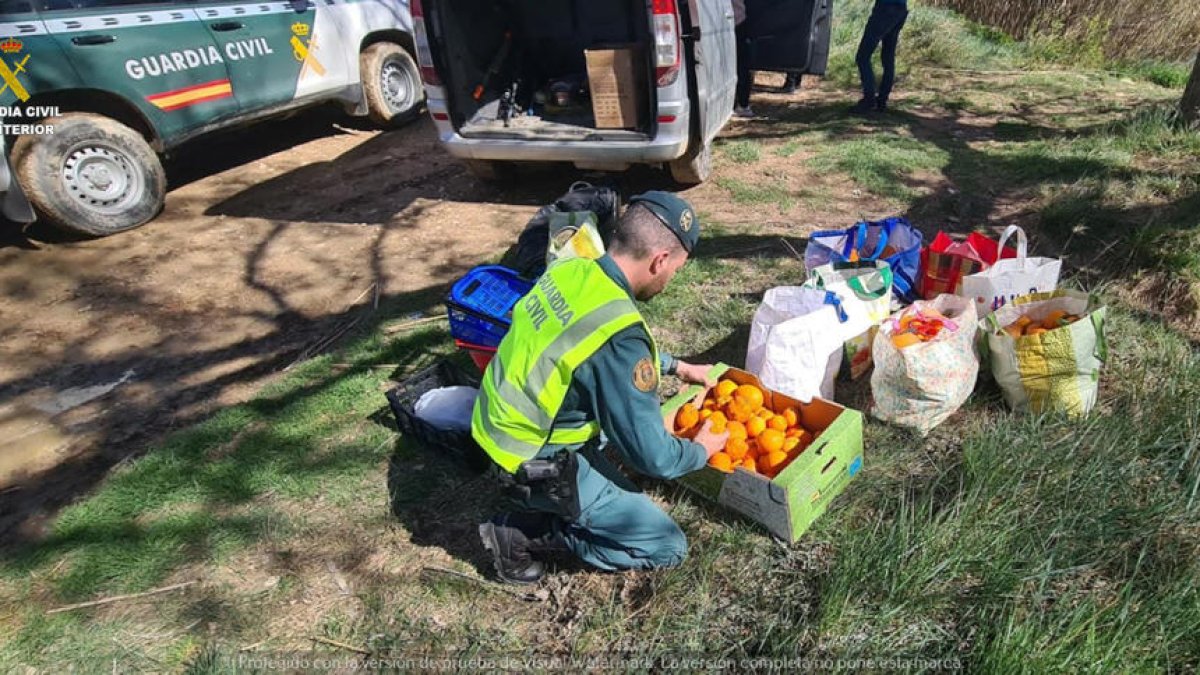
point(763, 193)
point(741, 152)
point(881, 163)
point(1000, 543)
point(939, 37)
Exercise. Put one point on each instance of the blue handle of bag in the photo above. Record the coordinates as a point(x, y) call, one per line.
point(833, 300)
point(860, 239)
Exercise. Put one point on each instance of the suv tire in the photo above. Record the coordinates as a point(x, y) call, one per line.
point(695, 166)
point(92, 176)
point(491, 170)
point(391, 84)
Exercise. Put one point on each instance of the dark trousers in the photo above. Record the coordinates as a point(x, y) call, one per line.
point(883, 26)
point(745, 78)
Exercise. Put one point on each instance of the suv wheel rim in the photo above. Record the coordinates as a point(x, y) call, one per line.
point(103, 178)
point(398, 88)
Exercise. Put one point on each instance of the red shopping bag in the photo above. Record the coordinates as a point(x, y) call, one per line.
point(947, 260)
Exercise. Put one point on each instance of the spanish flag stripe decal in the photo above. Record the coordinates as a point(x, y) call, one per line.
point(181, 98)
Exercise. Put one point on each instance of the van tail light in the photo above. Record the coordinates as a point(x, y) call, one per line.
point(424, 55)
point(667, 50)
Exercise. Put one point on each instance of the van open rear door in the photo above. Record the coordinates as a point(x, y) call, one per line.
point(789, 35)
point(715, 51)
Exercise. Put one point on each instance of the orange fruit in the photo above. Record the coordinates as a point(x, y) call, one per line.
point(736, 430)
point(791, 416)
point(763, 466)
point(705, 413)
point(749, 464)
point(1035, 330)
point(776, 461)
point(771, 440)
point(725, 388)
point(1052, 319)
point(778, 423)
point(902, 340)
point(752, 449)
point(1014, 331)
point(764, 413)
point(789, 444)
point(687, 417)
point(793, 432)
point(738, 411)
point(750, 396)
point(709, 404)
point(755, 426)
point(736, 448)
point(721, 462)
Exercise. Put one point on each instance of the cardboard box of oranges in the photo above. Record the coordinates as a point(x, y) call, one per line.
point(784, 462)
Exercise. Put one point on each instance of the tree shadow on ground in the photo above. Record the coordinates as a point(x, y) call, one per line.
point(1022, 171)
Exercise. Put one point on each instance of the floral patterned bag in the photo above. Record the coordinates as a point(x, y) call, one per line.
point(921, 385)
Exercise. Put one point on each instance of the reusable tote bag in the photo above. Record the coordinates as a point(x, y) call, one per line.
point(1011, 277)
point(1057, 367)
point(795, 342)
point(921, 385)
point(946, 261)
point(865, 289)
point(893, 240)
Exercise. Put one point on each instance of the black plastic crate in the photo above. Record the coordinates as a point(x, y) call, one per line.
point(456, 445)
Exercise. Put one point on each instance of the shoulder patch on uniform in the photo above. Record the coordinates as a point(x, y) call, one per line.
point(645, 376)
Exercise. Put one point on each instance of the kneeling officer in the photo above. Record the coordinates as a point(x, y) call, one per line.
point(579, 361)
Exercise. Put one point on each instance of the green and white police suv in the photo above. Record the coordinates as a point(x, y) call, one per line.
point(92, 91)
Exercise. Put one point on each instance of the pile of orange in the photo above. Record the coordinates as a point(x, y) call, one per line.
point(1027, 326)
point(760, 439)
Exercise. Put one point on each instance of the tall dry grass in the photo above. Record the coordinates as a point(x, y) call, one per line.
point(1161, 29)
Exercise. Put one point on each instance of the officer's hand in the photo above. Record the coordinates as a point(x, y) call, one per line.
point(713, 443)
point(695, 374)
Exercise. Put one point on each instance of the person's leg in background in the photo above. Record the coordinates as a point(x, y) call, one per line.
point(791, 83)
point(745, 78)
point(872, 36)
point(888, 55)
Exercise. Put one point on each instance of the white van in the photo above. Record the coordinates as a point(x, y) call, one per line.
point(506, 80)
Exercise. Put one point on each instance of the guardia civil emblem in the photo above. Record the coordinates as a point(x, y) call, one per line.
point(685, 220)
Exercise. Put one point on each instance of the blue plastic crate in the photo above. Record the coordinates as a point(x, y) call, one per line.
point(480, 304)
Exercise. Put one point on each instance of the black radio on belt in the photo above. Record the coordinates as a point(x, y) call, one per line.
point(536, 470)
point(552, 478)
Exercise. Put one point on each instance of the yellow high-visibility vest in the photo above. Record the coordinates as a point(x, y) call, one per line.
point(571, 312)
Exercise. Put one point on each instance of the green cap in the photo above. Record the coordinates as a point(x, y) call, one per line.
point(675, 213)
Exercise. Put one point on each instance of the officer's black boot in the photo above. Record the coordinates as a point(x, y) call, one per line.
point(510, 551)
point(549, 544)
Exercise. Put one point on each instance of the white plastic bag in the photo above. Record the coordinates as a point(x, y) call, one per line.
point(796, 341)
point(447, 408)
point(1009, 278)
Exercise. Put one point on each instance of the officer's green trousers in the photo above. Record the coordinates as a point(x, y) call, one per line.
point(619, 527)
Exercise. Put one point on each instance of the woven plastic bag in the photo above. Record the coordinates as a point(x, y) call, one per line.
point(796, 341)
point(892, 240)
point(1055, 370)
point(865, 289)
point(920, 386)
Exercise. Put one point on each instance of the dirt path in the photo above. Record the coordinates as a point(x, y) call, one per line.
point(263, 252)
